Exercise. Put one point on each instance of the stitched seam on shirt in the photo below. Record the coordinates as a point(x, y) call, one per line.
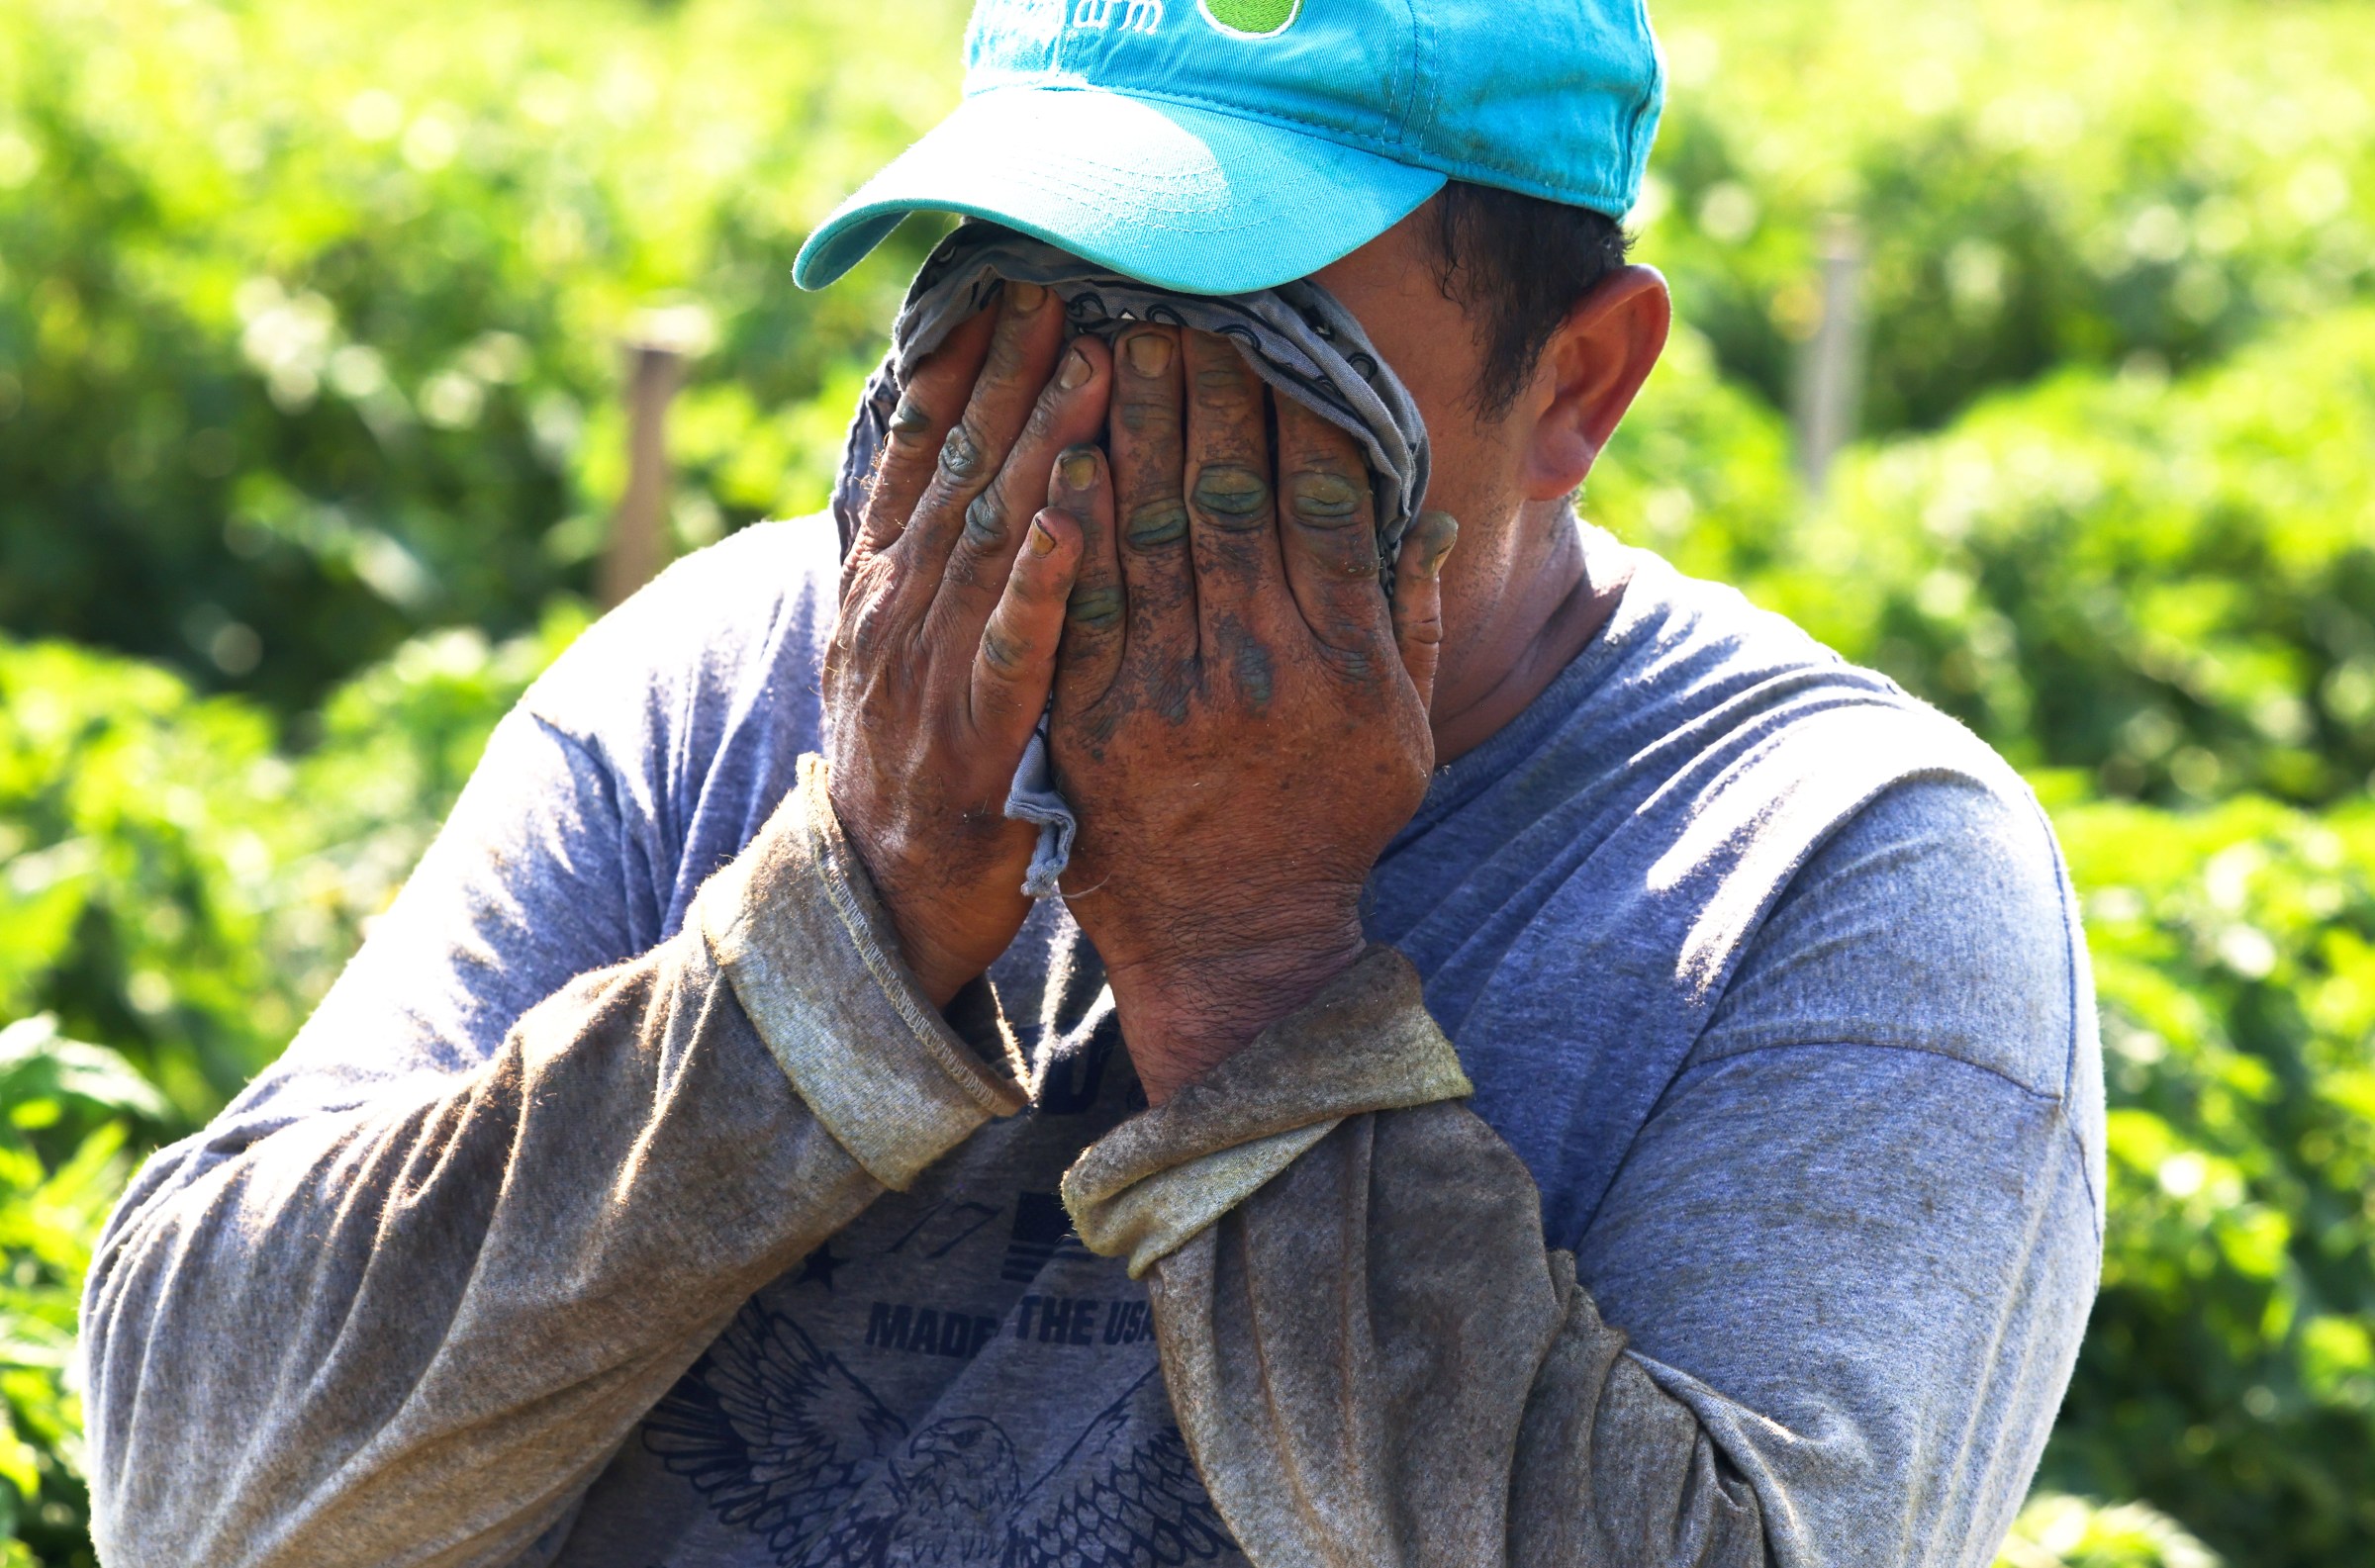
point(2086, 1178)
point(2058, 1102)
point(893, 987)
point(1707, 1068)
point(2070, 957)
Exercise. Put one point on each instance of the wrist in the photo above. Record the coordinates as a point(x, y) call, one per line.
point(939, 958)
point(1185, 1013)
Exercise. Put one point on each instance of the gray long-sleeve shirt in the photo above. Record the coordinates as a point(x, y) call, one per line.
point(588, 1224)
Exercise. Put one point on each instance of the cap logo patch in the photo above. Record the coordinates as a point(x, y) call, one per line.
point(1250, 19)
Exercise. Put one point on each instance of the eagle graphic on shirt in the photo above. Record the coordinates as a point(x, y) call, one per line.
point(782, 1440)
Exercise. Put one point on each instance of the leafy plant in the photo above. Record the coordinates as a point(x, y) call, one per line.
point(2058, 1532)
point(308, 332)
point(70, 1108)
point(2229, 1372)
point(174, 880)
point(2171, 586)
point(2191, 177)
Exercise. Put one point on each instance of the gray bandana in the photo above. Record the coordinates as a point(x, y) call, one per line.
point(1296, 337)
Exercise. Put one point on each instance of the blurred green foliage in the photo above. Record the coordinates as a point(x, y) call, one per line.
point(2059, 1531)
point(70, 1109)
point(176, 884)
point(2230, 1368)
point(2169, 585)
point(309, 392)
point(309, 330)
point(175, 881)
point(2038, 183)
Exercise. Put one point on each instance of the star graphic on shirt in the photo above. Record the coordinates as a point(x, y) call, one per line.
point(819, 1267)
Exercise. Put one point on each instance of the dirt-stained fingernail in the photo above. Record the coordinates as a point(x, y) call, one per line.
point(1075, 370)
point(1439, 531)
point(1078, 468)
point(1042, 541)
point(1025, 298)
point(1150, 353)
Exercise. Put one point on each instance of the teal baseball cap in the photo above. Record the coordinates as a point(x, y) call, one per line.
point(1217, 147)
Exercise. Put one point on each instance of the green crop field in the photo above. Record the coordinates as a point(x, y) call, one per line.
point(311, 424)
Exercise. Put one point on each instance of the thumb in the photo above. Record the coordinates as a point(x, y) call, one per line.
point(1418, 598)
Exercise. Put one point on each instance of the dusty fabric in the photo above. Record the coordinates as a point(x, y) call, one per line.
point(1363, 1044)
point(322, 1350)
point(1763, 973)
point(1373, 1358)
point(1302, 342)
point(873, 1059)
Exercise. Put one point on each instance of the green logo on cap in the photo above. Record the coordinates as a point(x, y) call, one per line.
point(1250, 19)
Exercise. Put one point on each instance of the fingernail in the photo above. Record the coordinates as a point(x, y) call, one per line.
point(1042, 541)
point(1150, 353)
point(1078, 468)
point(1077, 370)
point(1441, 531)
point(1026, 297)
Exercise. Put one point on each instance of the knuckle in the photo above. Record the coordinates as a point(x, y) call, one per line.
point(1004, 650)
point(910, 420)
point(986, 520)
point(1323, 500)
point(1141, 415)
point(1359, 564)
point(1156, 523)
point(1096, 608)
point(1226, 388)
point(1008, 354)
point(1231, 495)
point(962, 454)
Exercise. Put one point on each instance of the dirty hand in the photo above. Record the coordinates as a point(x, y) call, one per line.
point(952, 603)
point(1240, 719)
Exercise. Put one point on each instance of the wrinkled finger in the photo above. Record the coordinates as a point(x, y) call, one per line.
point(1015, 664)
point(1022, 356)
point(1327, 528)
point(1233, 535)
point(1071, 409)
point(1418, 598)
point(1094, 635)
point(1147, 433)
point(928, 411)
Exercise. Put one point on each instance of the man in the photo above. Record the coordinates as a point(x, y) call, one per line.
point(1545, 1067)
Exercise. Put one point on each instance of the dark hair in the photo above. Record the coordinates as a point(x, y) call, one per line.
point(1517, 264)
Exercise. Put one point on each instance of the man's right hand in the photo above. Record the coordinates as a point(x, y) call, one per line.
point(952, 603)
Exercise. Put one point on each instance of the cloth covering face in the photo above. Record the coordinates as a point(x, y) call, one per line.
point(1296, 336)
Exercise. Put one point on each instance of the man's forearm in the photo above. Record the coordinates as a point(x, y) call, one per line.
point(1371, 1353)
point(413, 1333)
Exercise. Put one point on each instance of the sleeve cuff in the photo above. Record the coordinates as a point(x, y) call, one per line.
point(1365, 1044)
point(811, 954)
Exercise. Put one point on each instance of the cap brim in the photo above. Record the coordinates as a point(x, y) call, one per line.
point(1181, 197)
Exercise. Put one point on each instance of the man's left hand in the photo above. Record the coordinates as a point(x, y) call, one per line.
point(1240, 719)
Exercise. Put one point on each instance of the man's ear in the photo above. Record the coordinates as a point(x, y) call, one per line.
point(1590, 370)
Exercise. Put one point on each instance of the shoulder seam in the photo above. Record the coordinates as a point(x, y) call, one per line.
point(1708, 1068)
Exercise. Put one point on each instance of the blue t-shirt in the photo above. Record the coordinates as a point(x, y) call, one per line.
point(1770, 975)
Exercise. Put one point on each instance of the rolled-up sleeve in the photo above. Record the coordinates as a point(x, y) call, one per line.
point(412, 1331)
point(1377, 1359)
